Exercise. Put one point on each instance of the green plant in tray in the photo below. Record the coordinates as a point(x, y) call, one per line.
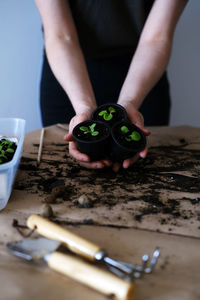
point(90, 129)
point(107, 115)
point(133, 136)
point(7, 149)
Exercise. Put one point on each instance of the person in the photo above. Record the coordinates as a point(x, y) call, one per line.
point(99, 51)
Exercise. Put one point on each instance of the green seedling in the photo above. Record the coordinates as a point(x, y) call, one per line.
point(89, 129)
point(134, 136)
point(5, 149)
point(124, 129)
point(107, 115)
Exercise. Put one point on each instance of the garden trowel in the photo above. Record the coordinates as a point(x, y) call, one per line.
point(38, 249)
point(90, 250)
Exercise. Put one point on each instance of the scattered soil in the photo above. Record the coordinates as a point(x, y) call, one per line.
point(155, 185)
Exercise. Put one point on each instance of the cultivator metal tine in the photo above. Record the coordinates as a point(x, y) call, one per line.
point(130, 271)
point(153, 262)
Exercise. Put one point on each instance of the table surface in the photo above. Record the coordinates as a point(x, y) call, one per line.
point(114, 226)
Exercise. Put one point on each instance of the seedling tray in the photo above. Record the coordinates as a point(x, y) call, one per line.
point(12, 129)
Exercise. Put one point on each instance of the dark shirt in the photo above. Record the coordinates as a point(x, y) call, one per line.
point(109, 27)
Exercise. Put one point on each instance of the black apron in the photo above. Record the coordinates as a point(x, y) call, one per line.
point(108, 31)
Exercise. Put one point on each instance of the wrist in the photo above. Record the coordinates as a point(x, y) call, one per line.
point(130, 102)
point(87, 107)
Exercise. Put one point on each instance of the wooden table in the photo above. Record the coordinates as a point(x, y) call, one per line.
point(158, 206)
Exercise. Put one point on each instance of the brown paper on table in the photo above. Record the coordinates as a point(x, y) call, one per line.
point(160, 193)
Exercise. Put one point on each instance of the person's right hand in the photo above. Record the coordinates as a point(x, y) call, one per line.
point(83, 159)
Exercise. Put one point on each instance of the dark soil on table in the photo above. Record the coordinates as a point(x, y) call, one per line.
point(144, 184)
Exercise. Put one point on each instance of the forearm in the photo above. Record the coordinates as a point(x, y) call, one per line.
point(64, 53)
point(68, 65)
point(147, 66)
point(153, 51)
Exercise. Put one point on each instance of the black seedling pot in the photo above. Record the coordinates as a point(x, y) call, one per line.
point(109, 113)
point(7, 150)
point(94, 144)
point(127, 142)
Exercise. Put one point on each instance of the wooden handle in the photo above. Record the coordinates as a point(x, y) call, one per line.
point(72, 241)
point(96, 278)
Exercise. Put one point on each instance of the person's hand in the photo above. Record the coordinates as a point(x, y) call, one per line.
point(83, 159)
point(136, 118)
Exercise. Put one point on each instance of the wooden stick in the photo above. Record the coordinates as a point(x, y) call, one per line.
point(40, 146)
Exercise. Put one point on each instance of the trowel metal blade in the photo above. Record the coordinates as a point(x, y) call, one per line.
point(33, 249)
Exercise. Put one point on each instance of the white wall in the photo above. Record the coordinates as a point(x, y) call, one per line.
point(20, 63)
point(184, 68)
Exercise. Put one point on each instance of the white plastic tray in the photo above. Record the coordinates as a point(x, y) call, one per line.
point(10, 128)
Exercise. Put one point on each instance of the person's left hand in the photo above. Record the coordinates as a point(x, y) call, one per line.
point(136, 118)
